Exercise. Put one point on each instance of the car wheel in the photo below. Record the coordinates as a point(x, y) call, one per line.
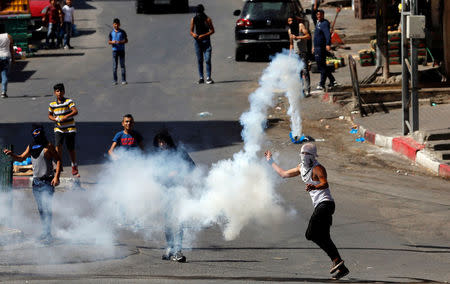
point(239, 54)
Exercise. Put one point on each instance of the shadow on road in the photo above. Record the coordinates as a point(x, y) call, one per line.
point(83, 5)
point(233, 81)
point(59, 54)
point(17, 74)
point(94, 138)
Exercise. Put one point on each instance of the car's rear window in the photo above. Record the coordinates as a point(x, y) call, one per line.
point(269, 9)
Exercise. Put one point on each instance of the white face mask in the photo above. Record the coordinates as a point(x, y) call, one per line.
point(307, 160)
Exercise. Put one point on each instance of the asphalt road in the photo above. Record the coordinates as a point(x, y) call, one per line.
point(391, 220)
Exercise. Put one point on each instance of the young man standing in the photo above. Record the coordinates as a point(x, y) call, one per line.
point(314, 176)
point(45, 179)
point(314, 7)
point(54, 17)
point(68, 22)
point(201, 30)
point(6, 58)
point(62, 112)
point(322, 45)
point(128, 138)
point(298, 39)
point(117, 39)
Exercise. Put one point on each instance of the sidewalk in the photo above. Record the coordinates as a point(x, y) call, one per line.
point(385, 130)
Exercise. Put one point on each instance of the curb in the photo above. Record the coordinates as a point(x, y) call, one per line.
point(408, 147)
point(26, 182)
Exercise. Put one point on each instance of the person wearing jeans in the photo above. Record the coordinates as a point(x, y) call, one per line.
point(54, 17)
point(68, 22)
point(117, 39)
point(203, 51)
point(298, 39)
point(201, 30)
point(42, 154)
point(322, 45)
point(6, 56)
point(119, 56)
point(43, 194)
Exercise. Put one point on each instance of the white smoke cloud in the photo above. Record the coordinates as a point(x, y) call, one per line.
point(146, 193)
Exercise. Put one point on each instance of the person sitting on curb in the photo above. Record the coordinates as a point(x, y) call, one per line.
point(314, 176)
point(45, 178)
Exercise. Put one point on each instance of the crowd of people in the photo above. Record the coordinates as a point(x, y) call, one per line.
point(63, 110)
point(59, 22)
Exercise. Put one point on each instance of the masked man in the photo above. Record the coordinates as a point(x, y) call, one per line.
point(42, 153)
point(314, 176)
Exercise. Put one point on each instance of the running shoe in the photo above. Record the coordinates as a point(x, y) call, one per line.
point(179, 257)
point(201, 81)
point(167, 255)
point(320, 88)
point(343, 271)
point(74, 170)
point(209, 81)
point(336, 266)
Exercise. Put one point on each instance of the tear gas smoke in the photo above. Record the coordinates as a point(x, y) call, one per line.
point(152, 192)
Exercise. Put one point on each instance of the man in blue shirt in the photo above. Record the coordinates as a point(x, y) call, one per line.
point(117, 39)
point(127, 138)
point(322, 45)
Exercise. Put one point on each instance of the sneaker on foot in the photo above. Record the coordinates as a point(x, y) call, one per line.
point(335, 84)
point(320, 88)
point(124, 83)
point(168, 254)
point(74, 170)
point(66, 47)
point(114, 83)
point(201, 81)
point(209, 81)
point(179, 257)
point(343, 271)
point(47, 240)
point(4, 95)
point(335, 266)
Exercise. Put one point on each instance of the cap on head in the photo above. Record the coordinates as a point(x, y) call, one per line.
point(200, 8)
point(36, 127)
point(116, 21)
point(309, 148)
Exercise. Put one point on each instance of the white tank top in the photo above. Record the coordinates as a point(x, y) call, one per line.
point(4, 46)
point(317, 195)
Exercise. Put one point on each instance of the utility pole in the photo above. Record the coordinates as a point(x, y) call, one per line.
point(414, 74)
point(413, 28)
point(406, 127)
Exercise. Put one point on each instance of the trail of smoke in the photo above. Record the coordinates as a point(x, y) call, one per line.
point(152, 192)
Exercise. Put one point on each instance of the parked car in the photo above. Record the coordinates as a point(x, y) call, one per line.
point(149, 6)
point(263, 24)
point(38, 8)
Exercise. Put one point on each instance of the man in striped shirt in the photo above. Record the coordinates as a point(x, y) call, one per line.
point(62, 112)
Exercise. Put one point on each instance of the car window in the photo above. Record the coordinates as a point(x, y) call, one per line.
point(256, 10)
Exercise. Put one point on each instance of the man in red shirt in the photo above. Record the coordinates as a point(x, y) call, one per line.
point(54, 18)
